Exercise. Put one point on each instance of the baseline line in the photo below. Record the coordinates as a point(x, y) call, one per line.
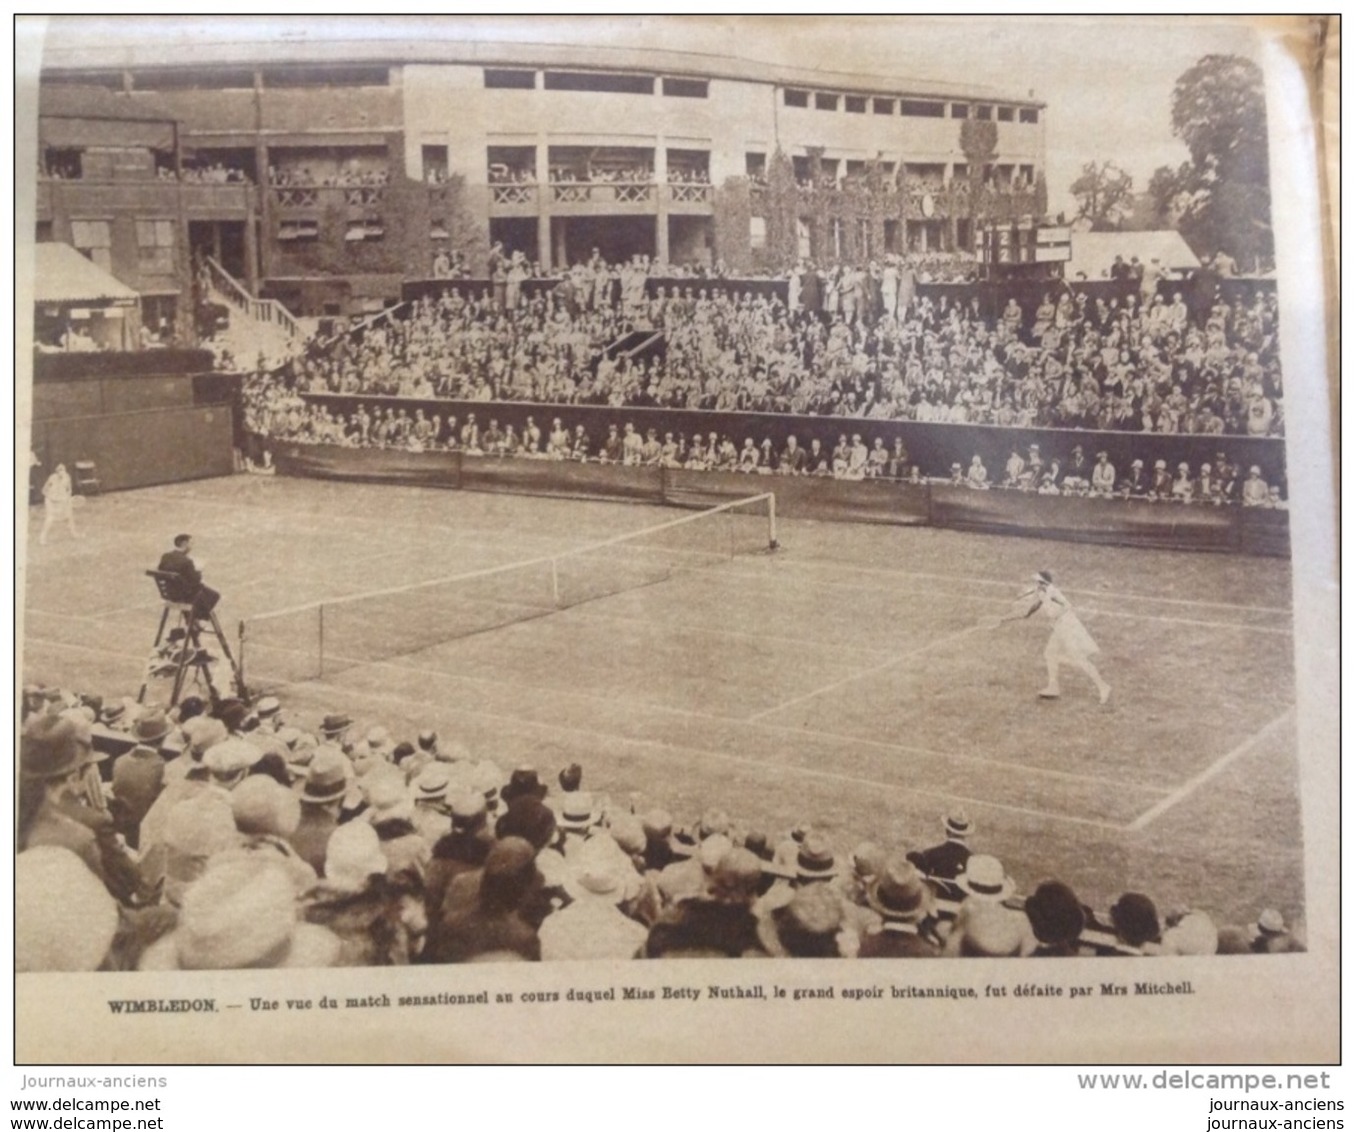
point(899, 659)
point(1213, 769)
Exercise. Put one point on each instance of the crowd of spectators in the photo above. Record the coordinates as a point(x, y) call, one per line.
point(238, 838)
point(348, 176)
point(274, 410)
point(847, 341)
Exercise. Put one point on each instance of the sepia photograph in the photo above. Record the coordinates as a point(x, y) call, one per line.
point(537, 530)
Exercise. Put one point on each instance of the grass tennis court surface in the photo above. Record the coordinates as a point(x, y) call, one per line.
point(841, 681)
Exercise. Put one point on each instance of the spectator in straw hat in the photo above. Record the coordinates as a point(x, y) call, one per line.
point(391, 813)
point(432, 819)
point(321, 797)
point(380, 918)
point(335, 727)
point(139, 775)
point(64, 918)
point(906, 906)
point(463, 848)
point(592, 926)
point(985, 880)
point(229, 762)
point(495, 920)
point(946, 861)
point(199, 733)
point(1194, 933)
point(1270, 935)
point(241, 913)
point(717, 924)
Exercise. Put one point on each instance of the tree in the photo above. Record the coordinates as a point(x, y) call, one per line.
point(1104, 195)
point(978, 143)
point(1219, 111)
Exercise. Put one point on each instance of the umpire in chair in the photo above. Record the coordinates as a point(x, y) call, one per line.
point(188, 586)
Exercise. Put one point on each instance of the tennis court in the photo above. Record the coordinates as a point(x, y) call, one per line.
point(842, 680)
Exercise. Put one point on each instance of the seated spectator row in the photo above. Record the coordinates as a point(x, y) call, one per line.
point(273, 411)
point(239, 838)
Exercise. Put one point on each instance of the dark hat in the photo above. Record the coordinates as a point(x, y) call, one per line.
point(523, 783)
point(1134, 916)
point(509, 873)
point(233, 714)
point(1045, 576)
point(900, 893)
point(530, 820)
point(571, 777)
point(335, 725)
point(958, 825)
point(428, 738)
point(151, 727)
point(53, 747)
point(1055, 914)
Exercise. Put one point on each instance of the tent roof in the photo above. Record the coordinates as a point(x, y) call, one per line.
point(63, 275)
point(1094, 252)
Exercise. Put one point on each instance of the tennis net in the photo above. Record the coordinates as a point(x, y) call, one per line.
point(321, 638)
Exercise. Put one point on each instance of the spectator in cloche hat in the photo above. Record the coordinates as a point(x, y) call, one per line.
point(987, 930)
point(379, 916)
point(1056, 919)
point(592, 926)
point(266, 815)
point(809, 927)
point(64, 917)
point(241, 913)
point(1137, 929)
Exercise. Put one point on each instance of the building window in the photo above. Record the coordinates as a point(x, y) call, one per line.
point(798, 98)
point(824, 101)
point(804, 238)
point(599, 82)
point(43, 233)
point(882, 105)
point(435, 163)
point(983, 113)
point(290, 231)
point(155, 246)
point(855, 105)
point(510, 80)
point(914, 108)
point(325, 75)
point(837, 237)
point(863, 248)
point(757, 232)
point(1030, 115)
point(686, 88)
point(93, 239)
point(755, 165)
point(1005, 114)
point(198, 78)
point(959, 110)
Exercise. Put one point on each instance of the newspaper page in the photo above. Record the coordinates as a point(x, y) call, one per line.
point(1099, 728)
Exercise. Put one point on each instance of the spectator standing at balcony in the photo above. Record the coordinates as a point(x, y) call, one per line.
point(1069, 643)
point(498, 275)
point(1160, 487)
point(1016, 468)
point(1183, 486)
point(977, 476)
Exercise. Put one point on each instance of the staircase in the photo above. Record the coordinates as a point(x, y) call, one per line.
point(257, 326)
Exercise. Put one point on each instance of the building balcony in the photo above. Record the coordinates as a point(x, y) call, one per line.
point(514, 199)
point(309, 198)
point(689, 197)
point(610, 193)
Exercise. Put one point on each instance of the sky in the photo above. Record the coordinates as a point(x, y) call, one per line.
point(1107, 80)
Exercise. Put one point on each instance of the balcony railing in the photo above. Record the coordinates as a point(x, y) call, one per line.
point(514, 194)
point(603, 192)
point(311, 196)
point(689, 192)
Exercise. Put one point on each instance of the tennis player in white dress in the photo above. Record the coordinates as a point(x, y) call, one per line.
point(1069, 643)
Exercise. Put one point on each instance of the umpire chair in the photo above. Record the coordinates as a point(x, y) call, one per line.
point(178, 649)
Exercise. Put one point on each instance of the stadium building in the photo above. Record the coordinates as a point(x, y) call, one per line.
point(322, 175)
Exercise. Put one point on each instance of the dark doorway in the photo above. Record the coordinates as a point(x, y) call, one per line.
point(516, 234)
point(223, 240)
point(616, 238)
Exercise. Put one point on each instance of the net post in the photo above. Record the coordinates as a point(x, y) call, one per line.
point(772, 542)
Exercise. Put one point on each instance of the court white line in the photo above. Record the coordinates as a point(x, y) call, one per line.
point(956, 595)
point(1216, 767)
point(898, 659)
point(810, 562)
point(665, 749)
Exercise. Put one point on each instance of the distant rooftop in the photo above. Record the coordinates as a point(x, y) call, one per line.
point(195, 54)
